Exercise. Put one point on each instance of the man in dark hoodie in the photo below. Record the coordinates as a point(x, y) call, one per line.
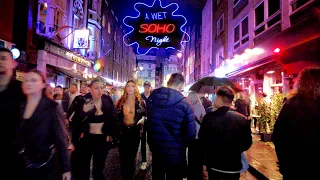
point(170, 127)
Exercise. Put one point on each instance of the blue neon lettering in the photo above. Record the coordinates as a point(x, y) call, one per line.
point(173, 14)
point(146, 17)
point(154, 16)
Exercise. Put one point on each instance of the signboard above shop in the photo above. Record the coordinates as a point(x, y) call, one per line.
point(81, 39)
point(155, 26)
point(67, 54)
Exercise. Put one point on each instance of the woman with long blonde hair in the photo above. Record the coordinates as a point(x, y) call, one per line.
point(130, 109)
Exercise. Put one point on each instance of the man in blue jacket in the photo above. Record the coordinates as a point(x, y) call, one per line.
point(170, 126)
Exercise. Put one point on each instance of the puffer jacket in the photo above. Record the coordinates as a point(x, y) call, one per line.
point(170, 126)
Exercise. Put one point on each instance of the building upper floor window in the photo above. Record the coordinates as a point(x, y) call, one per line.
point(241, 33)
point(149, 66)
point(235, 2)
point(220, 24)
point(267, 15)
point(296, 4)
point(219, 57)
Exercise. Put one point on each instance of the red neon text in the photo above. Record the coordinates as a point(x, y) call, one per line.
point(157, 28)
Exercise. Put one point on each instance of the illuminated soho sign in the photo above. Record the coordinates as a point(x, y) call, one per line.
point(155, 26)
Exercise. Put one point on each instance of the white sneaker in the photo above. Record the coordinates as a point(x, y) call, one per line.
point(144, 166)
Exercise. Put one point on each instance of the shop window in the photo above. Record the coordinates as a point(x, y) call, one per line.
point(267, 15)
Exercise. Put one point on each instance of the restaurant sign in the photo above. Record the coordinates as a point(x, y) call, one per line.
point(67, 54)
point(155, 26)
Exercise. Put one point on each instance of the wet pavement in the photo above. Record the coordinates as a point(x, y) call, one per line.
point(262, 159)
point(113, 168)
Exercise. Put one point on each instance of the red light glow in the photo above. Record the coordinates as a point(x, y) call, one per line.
point(157, 28)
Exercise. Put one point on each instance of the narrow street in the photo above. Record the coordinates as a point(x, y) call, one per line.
point(113, 168)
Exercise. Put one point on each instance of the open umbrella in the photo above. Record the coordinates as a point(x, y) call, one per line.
point(207, 84)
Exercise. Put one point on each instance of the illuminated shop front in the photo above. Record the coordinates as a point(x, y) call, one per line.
point(63, 66)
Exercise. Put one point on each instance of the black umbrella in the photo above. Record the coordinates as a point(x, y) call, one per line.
point(207, 84)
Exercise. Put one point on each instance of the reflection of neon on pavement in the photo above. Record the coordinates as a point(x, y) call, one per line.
point(146, 30)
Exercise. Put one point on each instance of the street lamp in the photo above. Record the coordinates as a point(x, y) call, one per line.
point(179, 54)
point(141, 68)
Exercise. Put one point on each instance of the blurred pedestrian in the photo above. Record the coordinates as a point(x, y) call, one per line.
point(61, 98)
point(194, 150)
point(11, 96)
point(145, 95)
point(42, 134)
point(115, 95)
point(296, 132)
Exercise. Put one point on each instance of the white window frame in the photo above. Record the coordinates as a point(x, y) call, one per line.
point(266, 17)
point(240, 33)
point(219, 29)
point(218, 53)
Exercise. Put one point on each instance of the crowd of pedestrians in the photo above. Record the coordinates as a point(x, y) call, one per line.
point(49, 133)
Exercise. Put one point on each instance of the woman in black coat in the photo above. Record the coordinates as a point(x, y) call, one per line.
point(131, 109)
point(42, 135)
point(297, 130)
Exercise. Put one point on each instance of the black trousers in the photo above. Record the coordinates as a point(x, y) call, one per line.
point(128, 148)
point(144, 145)
point(76, 159)
point(96, 146)
point(195, 164)
point(167, 172)
point(214, 175)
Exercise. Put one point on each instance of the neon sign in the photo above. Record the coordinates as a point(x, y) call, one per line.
point(155, 27)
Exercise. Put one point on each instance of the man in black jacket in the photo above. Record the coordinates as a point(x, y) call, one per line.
point(145, 95)
point(11, 96)
point(224, 135)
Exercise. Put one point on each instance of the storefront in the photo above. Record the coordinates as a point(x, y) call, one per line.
point(273, 66)
point(62, 66)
